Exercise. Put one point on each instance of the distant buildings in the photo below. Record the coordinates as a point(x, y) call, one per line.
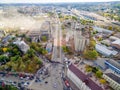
point(82, 81)
point(104, 51)
point(22, 46)
point(102, 30)
point(113, 80)
point(80, 41)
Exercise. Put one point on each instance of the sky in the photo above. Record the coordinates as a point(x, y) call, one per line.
point(51, 1)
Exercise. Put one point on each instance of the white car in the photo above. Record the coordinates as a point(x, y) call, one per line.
point(55, 85)
point(26, 83)
point(27, 78)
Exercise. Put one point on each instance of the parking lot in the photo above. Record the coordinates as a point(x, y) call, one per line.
point(19, 81)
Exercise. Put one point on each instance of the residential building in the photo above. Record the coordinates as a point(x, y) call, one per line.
point(113, 80)
point(82, 81)
point(113, 65)
point(22, 46)
point(80, 41)
point(104, 51)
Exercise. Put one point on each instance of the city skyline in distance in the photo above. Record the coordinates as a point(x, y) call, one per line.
point(51, 1)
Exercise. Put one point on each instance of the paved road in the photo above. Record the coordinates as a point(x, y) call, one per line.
point(54, 80)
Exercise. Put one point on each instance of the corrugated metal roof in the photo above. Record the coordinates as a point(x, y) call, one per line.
point(116, 42)
point(103, 50)
point(114, 63)
point(114, 77)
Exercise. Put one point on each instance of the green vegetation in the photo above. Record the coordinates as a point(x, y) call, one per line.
point(98, 74)
point(86, 22)
point(44, 38)
point(102, 81)
point(90, 54)
point(23, 63)
point(60, 15)
point(100, 39)
point(88, 68)
point(4, 58)
point(63, 27)
point(12, 59)
point(67, 17)
point(67, 50)
point(74, 18)
point(38, 48)
point(50, 14)
point(8, 87)
point(92, 44)
point(95, 70)
point(112, 16)
point(95, 32)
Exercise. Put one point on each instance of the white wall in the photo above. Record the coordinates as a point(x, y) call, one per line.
point(81, 85)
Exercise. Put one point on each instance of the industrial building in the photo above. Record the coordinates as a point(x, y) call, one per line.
point(104, 51)
point(113, 65)
point(113, 80)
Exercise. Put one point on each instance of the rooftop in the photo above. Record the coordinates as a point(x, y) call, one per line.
point(102, 30)
point(116, 42)
point(103, 49)
point(91, 84)
point(114, 63)
point(114, 77)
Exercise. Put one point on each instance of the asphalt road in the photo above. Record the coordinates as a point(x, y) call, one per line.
point(54, 81)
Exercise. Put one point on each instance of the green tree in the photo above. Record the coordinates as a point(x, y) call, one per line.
point(110, 27)
point(22, 66)
point(102, 81)
point(65, 49)
point(5, 49)
point(39, 62)
point(90, 54)
point(14, 58)
point(1, 51)
point(3, 58)
point(74, 18)
point(31, 52)
point(44, 52)
point(99, 74)
point(44, 38)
